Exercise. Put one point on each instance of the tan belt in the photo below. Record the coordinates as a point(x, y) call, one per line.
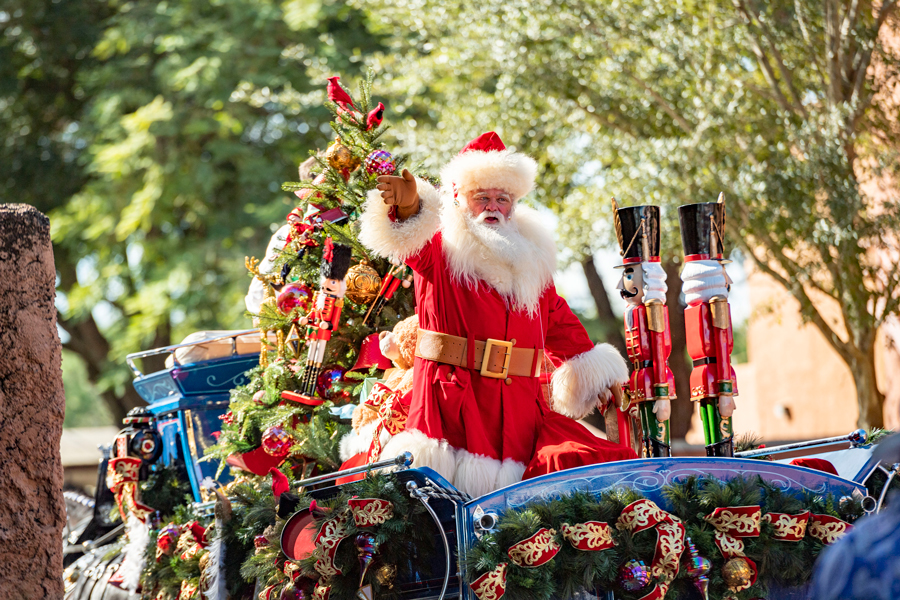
point(495, 358)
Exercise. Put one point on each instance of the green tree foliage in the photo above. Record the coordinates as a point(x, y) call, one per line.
point(155, 135)
point(786, 106)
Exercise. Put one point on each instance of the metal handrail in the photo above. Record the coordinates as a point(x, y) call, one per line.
point(856, 438)
point(171, 349)
point(402, 461)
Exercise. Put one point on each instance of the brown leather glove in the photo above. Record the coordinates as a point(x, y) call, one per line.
point(400, 192)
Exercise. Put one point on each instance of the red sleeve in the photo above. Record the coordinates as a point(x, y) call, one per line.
point(660, 357)
point(565, 336)
point(723, 345)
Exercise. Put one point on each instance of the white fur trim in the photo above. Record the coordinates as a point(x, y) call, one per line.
point(577, 383)
point(395, 240)
point(215, 568)
point(522, 278)
point(353, 443)
point(426, 451)
point(133, 563)
point(478, 475)
point(506, 170)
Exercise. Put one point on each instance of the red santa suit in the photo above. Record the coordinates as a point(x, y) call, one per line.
point(481, 432)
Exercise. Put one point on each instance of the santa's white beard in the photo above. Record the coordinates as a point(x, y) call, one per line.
point(501, 238)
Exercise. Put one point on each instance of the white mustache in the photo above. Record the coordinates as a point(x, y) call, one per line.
point(490, 213)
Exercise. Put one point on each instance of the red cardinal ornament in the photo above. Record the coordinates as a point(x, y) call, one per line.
point(375, 117)
point(337, 94)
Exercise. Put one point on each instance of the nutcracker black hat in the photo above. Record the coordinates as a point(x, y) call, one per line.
point(637, 229)
point(703, 230)
point(335, 260)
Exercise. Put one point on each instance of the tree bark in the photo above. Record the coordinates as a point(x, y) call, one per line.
point(612, 325)
point(682, 408)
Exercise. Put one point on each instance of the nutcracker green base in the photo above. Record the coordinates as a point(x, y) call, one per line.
point(717, 430)
point(655, 433)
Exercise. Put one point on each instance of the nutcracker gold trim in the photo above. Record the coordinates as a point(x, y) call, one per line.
point(656, 316)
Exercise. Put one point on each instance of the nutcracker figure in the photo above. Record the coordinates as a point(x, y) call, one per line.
point(647, 336)
point(325, 316)
point(707, 320)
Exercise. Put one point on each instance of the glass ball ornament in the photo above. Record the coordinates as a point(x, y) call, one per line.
point(633, 576)
point(380, 162)
point(363, 283)
point(737, 573)
point(326, 387)
point(341, 158)
point(259, 397)
point(277, 442)
point(292, 593)
point(294, 296)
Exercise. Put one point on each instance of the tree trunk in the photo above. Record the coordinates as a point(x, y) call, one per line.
point(868, 396)
point(612, 325)
point(682, 408)
point(88, 342)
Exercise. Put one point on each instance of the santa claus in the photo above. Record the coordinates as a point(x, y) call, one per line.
point(488, 316)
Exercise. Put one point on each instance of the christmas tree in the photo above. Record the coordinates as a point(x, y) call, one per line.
point(287, 410)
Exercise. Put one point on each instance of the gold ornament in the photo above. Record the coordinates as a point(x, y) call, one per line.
point(737, 573)
point(363, 283)
point(341, 158)
point(385, 575)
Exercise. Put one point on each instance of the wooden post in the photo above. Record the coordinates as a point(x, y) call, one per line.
point(32, 407)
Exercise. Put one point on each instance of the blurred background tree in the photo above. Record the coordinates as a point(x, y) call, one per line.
point(786, 106)
point(156, 136)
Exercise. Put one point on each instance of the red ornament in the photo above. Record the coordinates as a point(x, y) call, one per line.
point(294, 296)
point(326, 384)
point(276, 441)
point(259, 397)
point(380, 162)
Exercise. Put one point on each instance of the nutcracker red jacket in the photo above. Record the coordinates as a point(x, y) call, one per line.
point(483, 433)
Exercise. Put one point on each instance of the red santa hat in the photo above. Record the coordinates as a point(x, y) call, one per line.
point(485, 163)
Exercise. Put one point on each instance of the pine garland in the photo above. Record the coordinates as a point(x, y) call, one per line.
point(780, 563)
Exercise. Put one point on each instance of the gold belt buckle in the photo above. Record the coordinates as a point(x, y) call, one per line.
point(490, 343)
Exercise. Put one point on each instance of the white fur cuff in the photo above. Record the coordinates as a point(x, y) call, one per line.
point(577, 383)
point(396, 240)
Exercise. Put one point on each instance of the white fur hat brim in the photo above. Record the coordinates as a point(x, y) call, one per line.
point(506, 170)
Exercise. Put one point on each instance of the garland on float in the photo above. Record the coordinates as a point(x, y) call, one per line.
point(730, 539)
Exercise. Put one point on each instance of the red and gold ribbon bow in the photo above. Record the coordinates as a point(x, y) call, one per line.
point(368, 512)
point(644, 514)
point(732, 524)
point(491, 585)
point(392, 415)
point(321, 592)
point(827, 529)
point(535, 550)
point(188, 590)
point(788, 528)
point(330, 535)
point(122, 481)
point(589, 536)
